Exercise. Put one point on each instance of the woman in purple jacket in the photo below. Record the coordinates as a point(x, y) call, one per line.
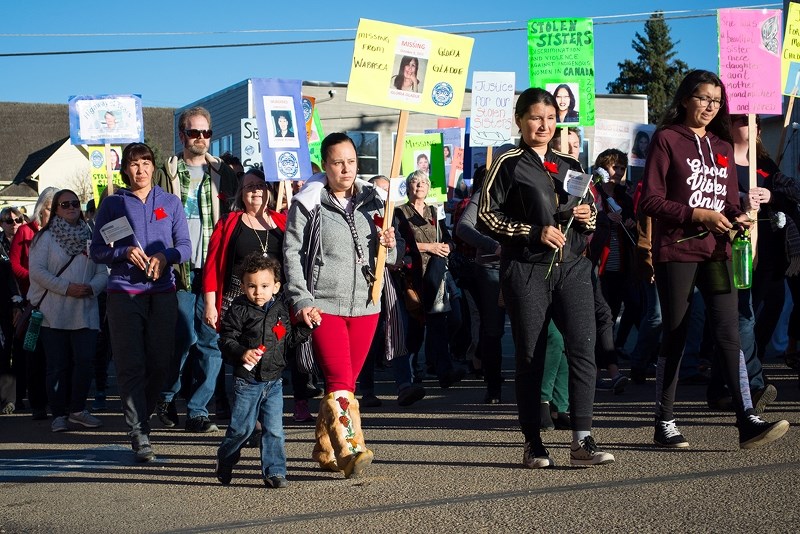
point(142, 305)
point(690, 191)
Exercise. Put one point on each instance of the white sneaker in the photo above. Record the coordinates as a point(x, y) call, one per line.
point(536, 456)
point(85, 418)
point(586, 453)
point(59, 424)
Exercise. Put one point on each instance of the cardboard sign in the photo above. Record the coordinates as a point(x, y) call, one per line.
point(397, 189)
point(492, 111)
point(407, 68)
point(451, 141)
point(115, 230)
point(251, 147)
point(561, 59)
point(282, 129)
point(749, 64)
point(791, 46)
point(105, 119)
point(425, 151)
point(97, 170)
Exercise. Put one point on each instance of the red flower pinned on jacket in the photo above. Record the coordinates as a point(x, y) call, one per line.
point(222, 196)
point(433, 222)
point(160, 214)
point(279, 330)
point(762, 173)
point(550, 166)
point(378, 220)
point(343, 402)
point(722, 160)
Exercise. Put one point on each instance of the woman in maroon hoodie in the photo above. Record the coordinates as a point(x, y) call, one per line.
point(691, 192)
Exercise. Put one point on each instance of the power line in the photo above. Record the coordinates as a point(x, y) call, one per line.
point(340, 40)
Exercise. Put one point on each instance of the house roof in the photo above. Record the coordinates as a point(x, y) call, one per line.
point(30, 129)
point(26, 188)
point(36, 160)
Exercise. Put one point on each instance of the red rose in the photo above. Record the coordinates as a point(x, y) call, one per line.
point(221, 196)
point(344, 420)
point(378, 220)
point(762, 173)
point(722, 160)
point(160, 214)
point(433, 222)
point(343, 402)
point(279, 330)
point(550, 166)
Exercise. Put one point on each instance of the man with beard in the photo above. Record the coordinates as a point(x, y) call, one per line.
point(206, 187)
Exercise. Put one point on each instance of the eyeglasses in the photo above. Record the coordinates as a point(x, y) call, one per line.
point(254, 186)
point(706, 101)
point(66, 204)
point(195, 134)
point(14, 220)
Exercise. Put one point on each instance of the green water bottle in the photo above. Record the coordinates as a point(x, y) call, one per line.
point(742, 251)
point(32, 333)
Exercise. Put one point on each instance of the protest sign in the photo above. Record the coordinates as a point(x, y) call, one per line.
point(561, 60)
point(251, 147)
point(97, 170)
point(492, 110)
point(115, 230)
point(282, 130)
point(408, 68)
point(424, 153)
point(791, 46)
point(105, 119)
point(451, 140)
point(749, 64)
point(577, 183)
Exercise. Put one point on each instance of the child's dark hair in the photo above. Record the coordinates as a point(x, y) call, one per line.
point(255, 262)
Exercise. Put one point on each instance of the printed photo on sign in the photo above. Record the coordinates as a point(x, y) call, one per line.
point(448, 154)
point(406, 84)
point(640, 146)
point(113, 119)
point(423, 161)
point(281, 122)
point(567, 100)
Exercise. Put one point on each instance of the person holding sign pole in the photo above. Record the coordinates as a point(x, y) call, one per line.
point(544, 273)
point(333, 232)
point(142, 307)
point(691, 193)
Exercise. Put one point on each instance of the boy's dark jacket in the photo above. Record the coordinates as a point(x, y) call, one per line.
point(245, 326)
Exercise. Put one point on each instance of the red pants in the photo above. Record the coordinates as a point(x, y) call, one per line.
point(340, 348)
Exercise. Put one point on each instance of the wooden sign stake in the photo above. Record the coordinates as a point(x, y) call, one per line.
point(787, 119)
point(752, 135)
point(388, 210)
point(109, 175)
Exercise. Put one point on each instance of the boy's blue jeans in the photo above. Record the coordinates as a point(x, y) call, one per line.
point(256, 401)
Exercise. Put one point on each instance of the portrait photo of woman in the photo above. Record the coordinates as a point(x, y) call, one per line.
point(567, 103)
point(407, 77)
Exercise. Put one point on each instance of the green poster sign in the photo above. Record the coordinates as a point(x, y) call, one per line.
point(426, 153)
point(315, 140)
point(561, 59)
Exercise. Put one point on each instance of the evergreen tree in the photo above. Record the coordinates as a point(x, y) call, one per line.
point(655, 73)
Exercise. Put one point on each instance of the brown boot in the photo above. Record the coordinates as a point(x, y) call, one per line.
point(338, 426)
point(363, 458)
point(323, 450)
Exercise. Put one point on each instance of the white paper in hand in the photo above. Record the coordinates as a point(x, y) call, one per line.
point(577, 183)
point(440, 214)
point(116, 230)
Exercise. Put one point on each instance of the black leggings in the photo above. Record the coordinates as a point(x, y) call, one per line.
point(676, 282)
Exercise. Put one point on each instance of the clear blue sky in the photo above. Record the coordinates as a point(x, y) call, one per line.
point(175, 78)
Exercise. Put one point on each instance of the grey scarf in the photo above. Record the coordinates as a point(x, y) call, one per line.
point(72, 238)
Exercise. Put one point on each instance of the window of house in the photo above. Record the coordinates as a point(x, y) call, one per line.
point(368, 151)
point(221, 145)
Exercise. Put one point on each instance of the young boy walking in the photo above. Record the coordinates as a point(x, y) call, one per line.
point(255, 334)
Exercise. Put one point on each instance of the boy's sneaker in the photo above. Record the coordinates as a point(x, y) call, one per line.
point(86, 419)
point(276, 481)
point(200, 424)
point(755, 432)
point(618, 383)
point(167, 413)
point(536, 456)
point(224, 473)
point(667, 435)
point(301, 412)
point(59, 424)
point(763, 397)
point(585, 452)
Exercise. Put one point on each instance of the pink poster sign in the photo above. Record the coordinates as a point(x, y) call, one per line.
point(749, 59)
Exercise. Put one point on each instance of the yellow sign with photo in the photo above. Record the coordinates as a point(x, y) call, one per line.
point(407, 68)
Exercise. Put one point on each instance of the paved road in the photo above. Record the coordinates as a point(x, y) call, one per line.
point(447, 464)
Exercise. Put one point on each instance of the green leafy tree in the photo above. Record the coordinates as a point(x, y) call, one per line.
point(656, 73)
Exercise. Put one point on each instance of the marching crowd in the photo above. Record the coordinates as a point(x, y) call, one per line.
point(194, 264)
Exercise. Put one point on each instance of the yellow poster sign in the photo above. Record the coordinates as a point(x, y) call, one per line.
point(407, 68)
point(97, 169)
point(790, 57)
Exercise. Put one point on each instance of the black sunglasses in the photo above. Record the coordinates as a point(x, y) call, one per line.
point(12, 220)
point(66, 204)
point(195, 134)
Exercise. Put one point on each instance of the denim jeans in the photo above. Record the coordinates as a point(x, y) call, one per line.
point(256, 401)
point(206, 358)
point(649, 328)
point(68, 352)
